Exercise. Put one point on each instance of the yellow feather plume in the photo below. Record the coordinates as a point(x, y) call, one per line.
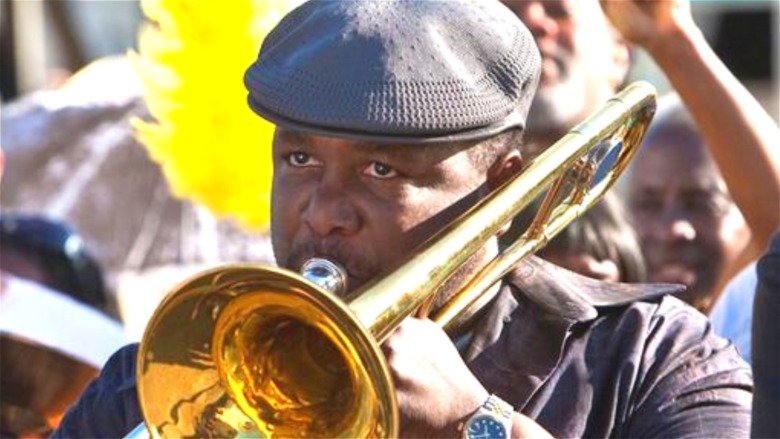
point(191, 60)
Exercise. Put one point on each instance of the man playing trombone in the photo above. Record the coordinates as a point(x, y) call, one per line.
point(393, 119)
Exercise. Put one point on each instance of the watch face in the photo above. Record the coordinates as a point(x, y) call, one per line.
point(485, 427)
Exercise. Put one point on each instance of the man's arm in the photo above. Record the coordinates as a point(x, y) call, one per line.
point(740, 135)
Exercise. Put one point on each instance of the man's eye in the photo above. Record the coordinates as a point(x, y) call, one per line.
point(380, 170)
point(646, 205)
point(556, 10)
point(708, 205)
point(300, 159)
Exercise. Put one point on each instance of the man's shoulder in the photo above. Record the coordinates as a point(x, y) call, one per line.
point(644, 322)
point(681, 368)
point(666, 330)
point(660, 326)
point(654, 367)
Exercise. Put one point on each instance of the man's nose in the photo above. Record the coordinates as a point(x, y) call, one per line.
point(683, 230)
point(677, 228)
point(331, 211)
point(534, 15)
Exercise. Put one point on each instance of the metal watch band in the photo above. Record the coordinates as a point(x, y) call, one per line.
point(496, 409)
point(499, 407)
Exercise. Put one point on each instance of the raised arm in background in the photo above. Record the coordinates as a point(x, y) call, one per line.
point(742, 138)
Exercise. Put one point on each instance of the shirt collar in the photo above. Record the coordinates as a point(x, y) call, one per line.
point(571, 296)
point(520, 337)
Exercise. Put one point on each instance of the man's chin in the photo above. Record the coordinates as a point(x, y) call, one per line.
point(675, 274)
point(699, 298)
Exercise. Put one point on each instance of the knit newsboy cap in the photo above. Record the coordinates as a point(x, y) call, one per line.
point(404, 71)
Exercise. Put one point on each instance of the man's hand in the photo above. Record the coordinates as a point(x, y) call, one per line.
point(436, 390)
point(649, 23)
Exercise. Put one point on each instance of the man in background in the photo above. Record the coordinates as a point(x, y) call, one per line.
point(586, 52)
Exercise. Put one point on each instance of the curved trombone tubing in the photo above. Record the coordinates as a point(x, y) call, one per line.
point(617, 128)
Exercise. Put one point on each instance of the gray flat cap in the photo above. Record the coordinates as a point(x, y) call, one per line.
point(406, 71)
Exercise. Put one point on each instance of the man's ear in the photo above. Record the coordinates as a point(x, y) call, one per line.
point(621, 60)
point(504, 169)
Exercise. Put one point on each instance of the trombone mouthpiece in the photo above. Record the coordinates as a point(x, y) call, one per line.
point(325, 274)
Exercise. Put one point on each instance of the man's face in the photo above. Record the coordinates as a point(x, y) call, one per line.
point(583, 60)
point(363, 206)
point(689, 227)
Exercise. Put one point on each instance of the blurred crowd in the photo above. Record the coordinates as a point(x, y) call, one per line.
point(92, 238)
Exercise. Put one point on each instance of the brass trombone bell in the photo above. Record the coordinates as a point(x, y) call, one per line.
point(249, 350)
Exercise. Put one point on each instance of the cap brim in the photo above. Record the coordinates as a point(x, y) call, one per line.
point(514, 120)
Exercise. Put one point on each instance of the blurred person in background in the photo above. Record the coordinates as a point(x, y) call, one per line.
point(747, 313)
point(52, 337)
point(600, 244)
point(705, 209)
point(732, 314)
point(698, 227)
point(765, 346)
point(72, 152)
point(693, 230)
point(52, 254)
point(584, 62)
point(586, 55)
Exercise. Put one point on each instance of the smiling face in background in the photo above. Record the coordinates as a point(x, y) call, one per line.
point(583, 61)
point(363, 206)
point(689, 227)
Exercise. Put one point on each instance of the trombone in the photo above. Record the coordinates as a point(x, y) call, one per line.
point(253, 351)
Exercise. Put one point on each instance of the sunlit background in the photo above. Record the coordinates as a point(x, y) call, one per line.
point(73, 100)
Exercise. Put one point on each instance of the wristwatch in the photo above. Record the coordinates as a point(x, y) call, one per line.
point(492, 421)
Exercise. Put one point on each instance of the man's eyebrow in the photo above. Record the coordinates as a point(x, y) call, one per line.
point(419, 153)
point(301, 138)
point(295, 137)
point(428, 148)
